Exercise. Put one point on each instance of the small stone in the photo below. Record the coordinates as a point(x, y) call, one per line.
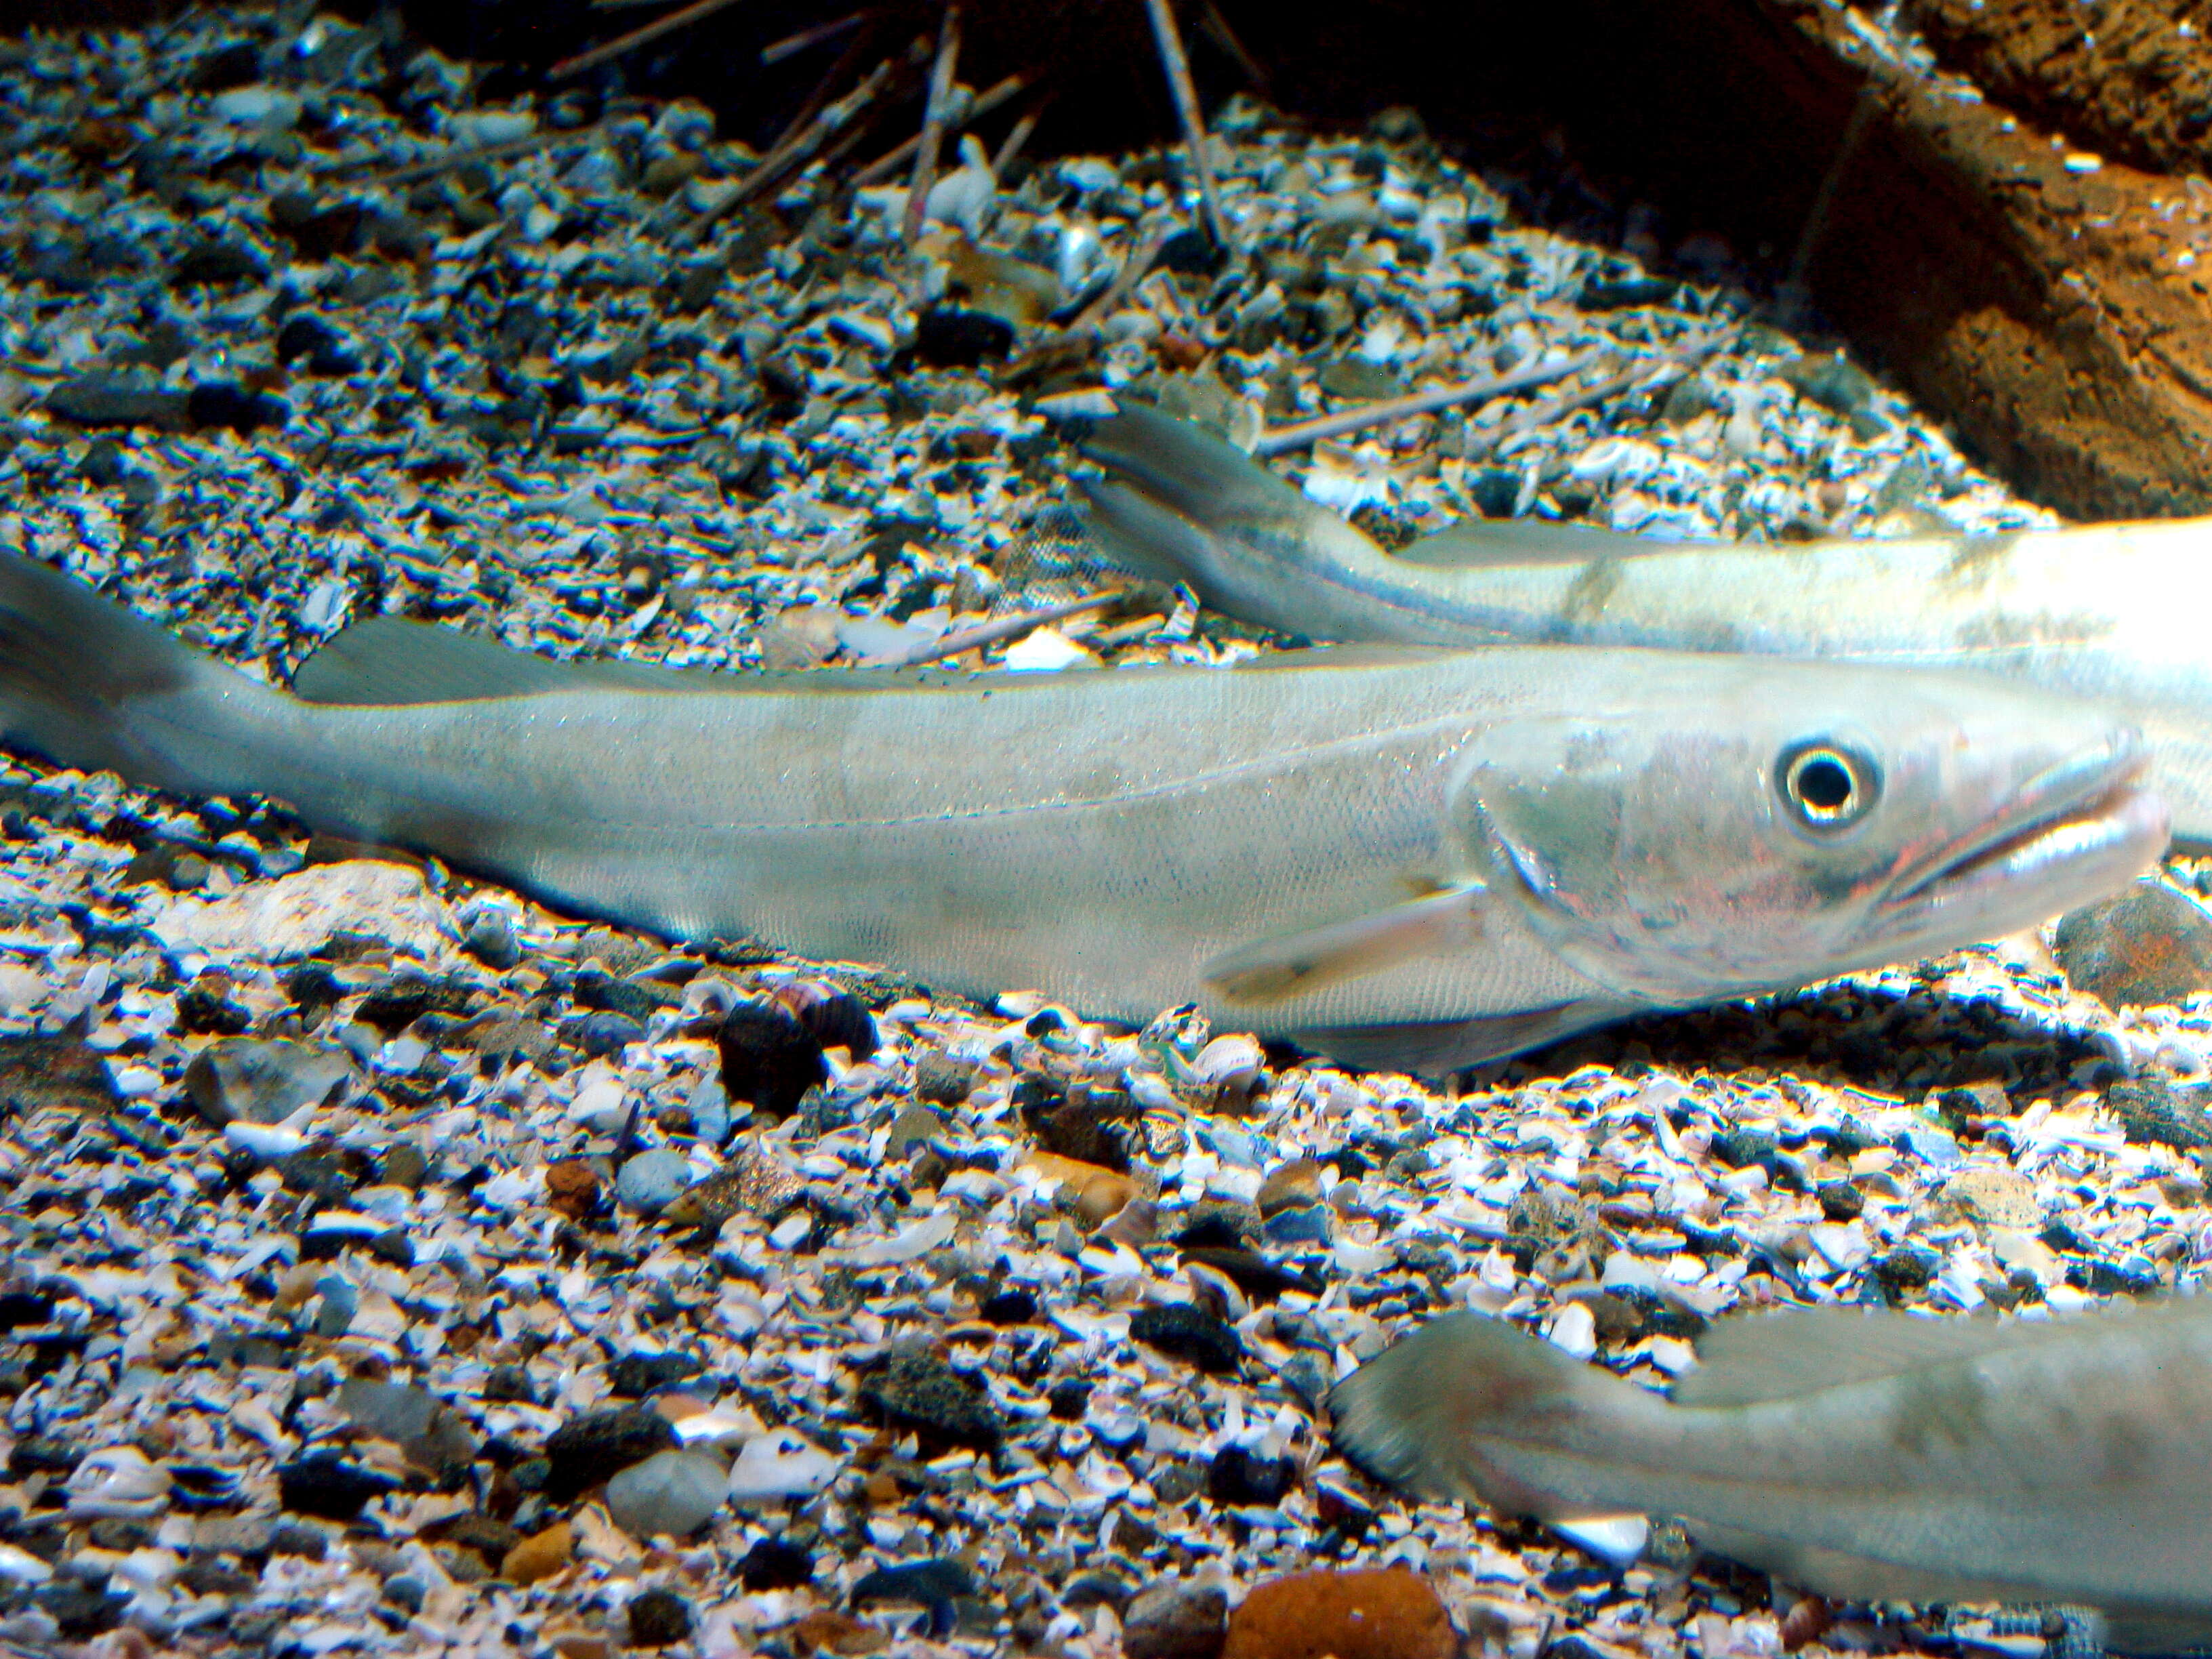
point(914, 1388)
point(572, 1186)
point(1189, 1334)
point(309, 1543)
point(305, 335)
point(99, 400)
point(659, 1619)
point(1303, 1223)
point(775, 1564)
point(2150, 946)
point(263, 1080)
point(1740, 1148)
point(596, 1447)
point(920, 1583)
point(670, 1493)
point(1361, 381)
point(649, 1183)
point(634, 1375)
point(296, 916)
point(946, 337)
point(1292, 1184)
point(1840, 1201)
point(1390, 1613)
point(750, 1182)
point(391, 1410)
point(767, 1058)
point(1098, 1193)
point(325, 1484)
point(942, 1080)
point(1832, 381)
point(1237, 1477)
point(490, 939)
point(1173, 1619)
point(54, 1071)
point(218, 261)
point(827, 1631)
point(1619, 293)
point(2156, 1114)
point(1904, 1271)
point(917, 1126)
point(225, 404)
point(540, 1555)
point(1009, 1308)
point(604, 1032)
point(1995, 1196)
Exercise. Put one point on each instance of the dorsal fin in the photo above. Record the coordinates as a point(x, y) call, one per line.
point(1780, 1356)
point(1473, 544)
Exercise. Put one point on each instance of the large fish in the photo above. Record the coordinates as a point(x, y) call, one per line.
point(1863, 1454)
point(1415, 858)
point(2110, 612)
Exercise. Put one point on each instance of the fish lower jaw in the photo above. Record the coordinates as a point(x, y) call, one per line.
point(2048, 865)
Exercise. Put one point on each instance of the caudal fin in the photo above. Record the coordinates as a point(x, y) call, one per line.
point(1418, 1415)
point(72, 666)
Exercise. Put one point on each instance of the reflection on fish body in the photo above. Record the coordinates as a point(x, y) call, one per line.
point(2108, 612)
point(1421, 858)
point(1862, 1454)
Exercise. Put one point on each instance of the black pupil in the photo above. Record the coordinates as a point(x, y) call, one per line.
point(1824, 783)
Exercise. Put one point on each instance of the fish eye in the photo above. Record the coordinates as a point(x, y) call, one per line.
point(1826, 785)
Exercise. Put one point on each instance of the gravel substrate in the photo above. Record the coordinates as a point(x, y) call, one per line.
point(390, 1267)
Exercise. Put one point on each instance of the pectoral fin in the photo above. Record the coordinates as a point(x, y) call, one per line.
point(1286, 966)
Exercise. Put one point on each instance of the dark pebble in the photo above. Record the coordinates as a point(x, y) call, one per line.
point(116, 400)
point(775, 1564)
point(510, 1382)
point(81, 1609)
point(1832, 381)
point(634, 1375)
point(217, 262)
point(1620, 293)
point(593, 1448)
point(2150, 947)
point(948, 337)
point(603, 1033)
point(1254, 1274)
point(102, 466)
point(1173, 1619)
point(923, 1584)
point(1901, 1272)
point(1840, 1201)
point(768, 1060)
point(25, 1307)
point(1738, 1148)
point(326, 349)
point(1189, 253)
point(1096, 1589)
point(914, 1388)
point(397, 1003)
point(1188, 1333)
point(238, 64)
point(942, 1080)
point(1237, 1477)
point(325, 1485)
point(309, 1543)
point(659, 1619)
point(1496, 490)
point(316, 229)
point(207, 1012)
point(1010, 1308)
point(2156, 1114)
point(224, 403)
point(2113, 1278)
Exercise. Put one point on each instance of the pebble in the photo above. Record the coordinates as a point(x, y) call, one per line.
point(263, 1080)
point(1098, 1193)
point(946, 337)
point(325, 1484)
point(779, 1465)
point(649, 1183)
point(1995, 1196)
point(572, 1186)
point(540, 1555)
point(1236, 1476)
point(2156, 1114)
point(295, 915)
point(672, 1493)
point(1189, 1334)
point(1387, 1613)
point(750, 1182)
point(1176, 1620)
point(1292, 1185)
point(775, 1564)
point(2150, 945)
point(768, 1060)
point(915, 1389)
point(593, 1448)
point(657, 1618)
point(61, 1072)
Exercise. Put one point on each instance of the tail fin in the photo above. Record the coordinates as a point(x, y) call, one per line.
point(72, 664)
point(1170, 488)
point(1416, 1415)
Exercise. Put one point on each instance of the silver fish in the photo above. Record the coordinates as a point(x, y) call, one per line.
point(1874, 1455)
point(2109, 612)
point(1413, 858)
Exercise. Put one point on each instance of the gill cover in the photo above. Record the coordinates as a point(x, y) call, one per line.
point(1676, 862)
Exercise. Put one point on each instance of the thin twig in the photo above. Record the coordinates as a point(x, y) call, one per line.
point(933, 124)
point(792, 45)
point(885, 165)
point(546, 138)
point(1224, 37)
point(1194, 124)
point(1419, 402)
point(1019, 135)
point(1132, 272)
point(1003, 628)
point(799, 140)
point(681, 17)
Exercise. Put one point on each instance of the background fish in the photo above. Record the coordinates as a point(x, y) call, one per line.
point(1861, 1455)
point(2110, 612)
point(1420, 859)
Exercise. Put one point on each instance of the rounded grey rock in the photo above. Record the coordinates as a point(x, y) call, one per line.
point(672, 1493)
point(650, 1182)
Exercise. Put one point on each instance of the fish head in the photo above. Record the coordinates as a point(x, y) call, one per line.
point(1777, 824)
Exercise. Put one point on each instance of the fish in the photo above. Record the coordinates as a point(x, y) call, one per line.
point(1409, 858)
point(2111, 613)
point(1863, 1454)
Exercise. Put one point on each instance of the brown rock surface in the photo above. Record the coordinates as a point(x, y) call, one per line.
point(2149, 946)
point(1387, 1614)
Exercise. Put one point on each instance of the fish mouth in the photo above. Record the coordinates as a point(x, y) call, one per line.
point(2087, 816)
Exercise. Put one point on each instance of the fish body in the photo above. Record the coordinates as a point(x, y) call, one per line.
point(1422, 859)
point(2107, 612)
point(1858, 1454)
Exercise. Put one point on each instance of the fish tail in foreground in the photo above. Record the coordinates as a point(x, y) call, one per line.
point(79, 674)
point(1417, 1414)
